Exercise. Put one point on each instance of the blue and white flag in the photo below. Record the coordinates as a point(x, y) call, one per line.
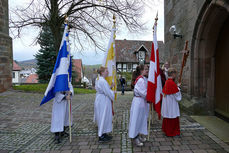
point(62, 72)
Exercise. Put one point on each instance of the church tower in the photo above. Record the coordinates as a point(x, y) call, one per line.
point(6, 56)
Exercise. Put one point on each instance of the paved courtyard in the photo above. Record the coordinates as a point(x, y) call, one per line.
point(25, 127)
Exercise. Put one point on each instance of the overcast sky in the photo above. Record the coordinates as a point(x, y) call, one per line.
point(23, 50)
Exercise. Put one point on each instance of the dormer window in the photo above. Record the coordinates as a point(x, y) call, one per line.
point(141, 54)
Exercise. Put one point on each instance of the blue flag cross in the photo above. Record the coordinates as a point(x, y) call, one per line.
point(62, 72)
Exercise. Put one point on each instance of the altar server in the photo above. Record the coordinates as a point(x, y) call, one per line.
point(103, 105)
point(60, 113)
point(139, 108)
point(170, 107)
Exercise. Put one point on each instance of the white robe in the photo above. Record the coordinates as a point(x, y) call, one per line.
point(170, 107)
point(139, 110)
point(103, 106)
point(60, 112)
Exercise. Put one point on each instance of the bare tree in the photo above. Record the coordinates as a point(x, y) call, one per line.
point(88, 19)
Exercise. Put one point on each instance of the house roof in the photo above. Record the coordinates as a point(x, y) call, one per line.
point(32, 78)
point(126, 49)
point(16, 67)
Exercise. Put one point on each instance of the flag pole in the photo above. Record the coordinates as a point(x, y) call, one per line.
point(151, 110)
point(114, 22)
point(149, 120)
point(69, 117)
point(69, 101)
point(158, 57)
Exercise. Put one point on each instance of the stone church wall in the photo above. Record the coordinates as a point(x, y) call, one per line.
point(183, 14)
point(6, 58)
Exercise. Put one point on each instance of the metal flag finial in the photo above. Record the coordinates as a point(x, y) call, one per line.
point(114, 19)
point(156, 18)
point(66, 19)
point(114, 26)
point(155, 22)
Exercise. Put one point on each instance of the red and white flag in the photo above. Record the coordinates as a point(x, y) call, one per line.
point(154, 89)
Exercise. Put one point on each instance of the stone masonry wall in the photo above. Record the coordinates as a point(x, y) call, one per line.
point(6, 57)
point(183, 14)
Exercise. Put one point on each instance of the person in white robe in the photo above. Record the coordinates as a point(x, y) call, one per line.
point(60, 113)
point(139, 108)
point(103, 105)
point(170, 107)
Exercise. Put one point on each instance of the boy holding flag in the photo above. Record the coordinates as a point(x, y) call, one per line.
point(60, 88)
point(60, 114)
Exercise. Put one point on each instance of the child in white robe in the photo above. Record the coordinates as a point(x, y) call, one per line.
point(139, 108)
point(103, 105)
point(60, 113)
point(170, 107)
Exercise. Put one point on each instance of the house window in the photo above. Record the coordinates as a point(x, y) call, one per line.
point(141, 53)
point(124, 67)
point(119, 66)
point(13, 74)
point(134, 66)
point(129, 67)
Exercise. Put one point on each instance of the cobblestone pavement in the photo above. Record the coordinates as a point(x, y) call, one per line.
point(25, 127)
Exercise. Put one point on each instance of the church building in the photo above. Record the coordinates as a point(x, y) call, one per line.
point(6, 55)
point(204, 24)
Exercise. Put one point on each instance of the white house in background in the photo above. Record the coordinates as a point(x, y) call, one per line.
point(27, 72)
point(33, 71)
point(16, 73)
point(85, 79)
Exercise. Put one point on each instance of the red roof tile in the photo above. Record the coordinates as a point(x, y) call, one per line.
point(16, 67)
point(77, 67)
point(32, 78)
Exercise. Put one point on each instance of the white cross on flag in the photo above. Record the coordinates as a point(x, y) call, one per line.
point(154, 89)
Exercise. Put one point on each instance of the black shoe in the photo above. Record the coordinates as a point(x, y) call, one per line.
point(103, 138)
point(177, 136)
point(57, 138)
point(107, 136)
point(64, 133)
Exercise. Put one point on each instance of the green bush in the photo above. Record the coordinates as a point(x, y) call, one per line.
point(40, 88)
point(128, 77)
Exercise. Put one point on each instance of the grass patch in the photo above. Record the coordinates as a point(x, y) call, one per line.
point(40, 88)
point(84, 91)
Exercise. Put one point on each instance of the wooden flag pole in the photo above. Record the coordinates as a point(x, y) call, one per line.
point(69, 101)
point(113, 103)
point(184, 60)
point(150, 115)
point(69, 119)
point(151, 110)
